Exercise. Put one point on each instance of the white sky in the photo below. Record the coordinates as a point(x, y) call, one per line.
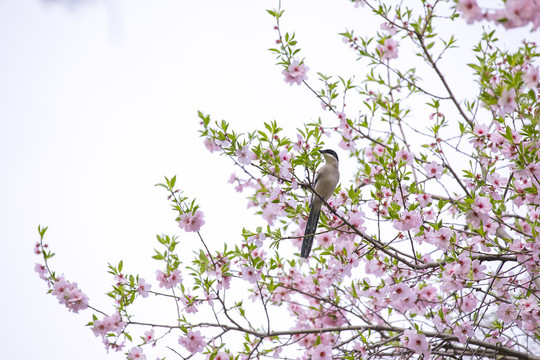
point(97, 103)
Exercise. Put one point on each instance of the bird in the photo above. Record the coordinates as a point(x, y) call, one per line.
point(325, 183)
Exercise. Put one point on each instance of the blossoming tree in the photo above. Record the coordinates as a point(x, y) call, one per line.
point(432, 252)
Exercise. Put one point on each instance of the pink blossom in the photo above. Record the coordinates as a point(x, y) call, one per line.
point(433, 170)
point(37, 248)
point(408, 220)
point(428, 293)
point(441, 323)
point(356, 218)
point(463, 331)
point(507, 312)
point(143, 287)
point(168, 281)
point(470, 10)
point(389, 49)
point(405, 156)
point(474, 218)
point(295, 73)
point(450, 280)
point(108, 324)
point(399, 291)
point(519, 12)
point(271, 211)
point(120, 279)
point(416, 342)
point(193, 341)
point(481, 205)
point(69, 295)
point(387, 27)
point(496, 180)
point(250, 274)
point(321, 352)
point(477, 269)
point(190, 304)
point(480, 130)
point(115, 345)
point(42, 271)
point(347, 145)
point(342, 119)
point(463, 264)
point(136, 353)
point(375, 267)
point(507, 102)
point(468, 303)
point(149, 336)
point(490, 227)
point(442, 238)
point(424, 199)
point(245, 155)
point(325, 239)
point(532, 78)
point(379, 150)
point(298, 145)
point(191, 223)
point(527, 305)
point(257, 239)
point(222, 356)
point(211, 145)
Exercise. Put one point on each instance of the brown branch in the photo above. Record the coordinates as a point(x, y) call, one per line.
point(500, 349)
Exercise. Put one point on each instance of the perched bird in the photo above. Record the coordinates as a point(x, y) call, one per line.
point(325, 183)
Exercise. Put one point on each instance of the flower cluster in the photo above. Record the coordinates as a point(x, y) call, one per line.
point(194, 342)
point(70, 295)
point(295, 73)
point(433, 241)
point(109, 324)
point(191, 223)
point(168, 280)
point(516, 13)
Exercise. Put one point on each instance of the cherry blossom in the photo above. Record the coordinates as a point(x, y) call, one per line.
point(416, 341)
point(193, 341)
point(482, 205)
point(149, 336)
point(507, 101)
point(463, 331)
point(136, 353)
point(143, 287)
point(532, 78)
point(168, 281)
point(69, 295)
point(211, 145)
point(408, 220)
point(433, 170)
point(405, 156)
point(295, 73)
point(469, 10)
point(245, 155)
point(321, 352)
point(250, 274)
point(109, 324)
point(388, 49)
point(42, 271)
point(507, 312)
point(191, 223)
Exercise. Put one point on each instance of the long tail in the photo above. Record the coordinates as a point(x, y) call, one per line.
point(311, 228)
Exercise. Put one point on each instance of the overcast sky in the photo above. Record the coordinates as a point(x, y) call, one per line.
point(97, 103)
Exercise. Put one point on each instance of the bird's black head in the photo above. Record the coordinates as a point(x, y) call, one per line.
point(330, 152)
